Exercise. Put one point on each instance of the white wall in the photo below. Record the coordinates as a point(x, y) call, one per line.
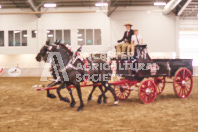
point(18, 22)
point(158, 31)
point(74, 22)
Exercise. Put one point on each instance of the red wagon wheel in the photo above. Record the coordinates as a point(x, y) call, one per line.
point(183, 82)
point(160, 84)
point(147, 91)
point(122, 92)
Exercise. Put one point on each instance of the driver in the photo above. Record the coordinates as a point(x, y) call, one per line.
point(121, 48)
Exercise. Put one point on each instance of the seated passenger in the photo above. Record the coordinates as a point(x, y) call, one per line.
point(136, 39)
point(121, 48)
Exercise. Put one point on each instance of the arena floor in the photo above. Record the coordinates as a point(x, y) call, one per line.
point(24, 109)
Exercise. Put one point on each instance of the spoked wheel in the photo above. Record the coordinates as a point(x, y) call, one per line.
point(183, 82)
point(160, 84)
point(147, 91)
point(122, 92)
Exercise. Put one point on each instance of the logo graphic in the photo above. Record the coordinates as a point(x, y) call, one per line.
point(14, 72)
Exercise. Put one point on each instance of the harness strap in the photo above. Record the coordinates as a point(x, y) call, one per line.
point(73, 60)
point(87, 71)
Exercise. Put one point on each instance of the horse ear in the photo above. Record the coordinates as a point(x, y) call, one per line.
point(57, 42)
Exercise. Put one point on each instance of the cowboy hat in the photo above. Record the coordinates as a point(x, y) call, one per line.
point(128, 23)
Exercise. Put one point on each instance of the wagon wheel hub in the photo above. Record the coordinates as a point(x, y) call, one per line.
point(183, 83)
point(148, 91)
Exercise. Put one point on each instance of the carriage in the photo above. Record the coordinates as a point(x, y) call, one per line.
point(152, 74)
point(147, 74)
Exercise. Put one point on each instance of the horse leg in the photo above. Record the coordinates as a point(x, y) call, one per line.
point(80, 97)
point(108, 87)
point(113, 93)
point(59, 95)
point(72, 104)
point(100, 96)
point(104, 96)
point(103, 93)
point(90, 95)
point(51, 95)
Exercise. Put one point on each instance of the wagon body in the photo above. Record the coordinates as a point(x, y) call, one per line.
point(172, 65)
point(142, 66)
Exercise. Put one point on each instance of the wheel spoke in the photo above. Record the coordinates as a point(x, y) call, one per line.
point(183, 74)
point(143, 96)
point(187, 74)
point(181, 92)
point(146, 98)
point(186, 92)
point(160, 84)
point(122, 91)
point(188, 79)
point(177, 86)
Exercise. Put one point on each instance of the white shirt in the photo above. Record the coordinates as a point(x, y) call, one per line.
point(136, 39)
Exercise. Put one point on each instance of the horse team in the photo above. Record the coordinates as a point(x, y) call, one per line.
point(65, 72)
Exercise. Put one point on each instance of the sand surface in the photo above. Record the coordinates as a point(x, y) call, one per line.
point(26, 110)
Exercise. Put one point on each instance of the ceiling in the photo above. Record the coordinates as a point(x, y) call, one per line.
point(75, 3)
point(190, 10)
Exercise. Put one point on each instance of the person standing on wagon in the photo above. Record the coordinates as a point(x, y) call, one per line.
point(122, 48)
point(136, 39)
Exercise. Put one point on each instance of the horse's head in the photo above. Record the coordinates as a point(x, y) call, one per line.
point(42, 55)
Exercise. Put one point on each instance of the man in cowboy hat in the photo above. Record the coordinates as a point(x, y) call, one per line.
point(121, 48)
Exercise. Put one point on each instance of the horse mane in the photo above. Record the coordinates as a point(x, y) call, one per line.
point(66, 48)
point(64, 45)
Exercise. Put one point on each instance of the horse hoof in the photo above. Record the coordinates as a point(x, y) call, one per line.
point(65, 100)
point(105, 101)
point(89, 99)
point(99, 101)
point(72, 105)
point(79, 109)
point(52, 96)
point(116, 103)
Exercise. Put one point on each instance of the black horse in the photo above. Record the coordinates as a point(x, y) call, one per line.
point(42, 56)
point(71, 61)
